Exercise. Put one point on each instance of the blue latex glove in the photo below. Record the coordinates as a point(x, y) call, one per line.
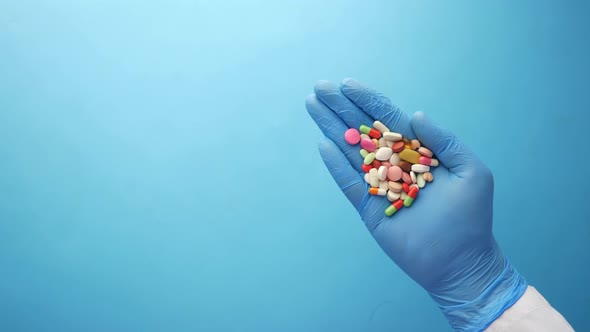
point(444, 241)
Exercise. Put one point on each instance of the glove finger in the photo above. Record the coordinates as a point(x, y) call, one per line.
point(450, 151)
point(377, 106)
point(348, 179)
point(333, 128)
point(330, 94)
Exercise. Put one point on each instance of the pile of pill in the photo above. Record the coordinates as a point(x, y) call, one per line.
point(395, 166)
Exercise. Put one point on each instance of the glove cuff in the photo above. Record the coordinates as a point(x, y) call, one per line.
point(478, 314)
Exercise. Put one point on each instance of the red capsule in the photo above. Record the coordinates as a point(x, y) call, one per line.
point(405, 187)
point(398, 204)
point(366, 168)
point(425, 161)
point(413, 192)
point(374, 133)
point(428, 161)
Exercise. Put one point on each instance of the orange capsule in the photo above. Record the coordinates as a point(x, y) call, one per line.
point(377, 191)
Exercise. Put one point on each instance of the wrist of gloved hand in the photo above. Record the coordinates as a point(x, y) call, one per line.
point(496, 294)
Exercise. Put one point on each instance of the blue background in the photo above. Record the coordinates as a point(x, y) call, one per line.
point(159, 172)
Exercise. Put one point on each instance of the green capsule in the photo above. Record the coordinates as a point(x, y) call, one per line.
point(365, 129)
point(394, 207)
point(369, 158)
point(408, 201)
point(390, 210)
point(364, 153)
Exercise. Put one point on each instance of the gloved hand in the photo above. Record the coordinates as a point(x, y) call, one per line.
point(444, 241)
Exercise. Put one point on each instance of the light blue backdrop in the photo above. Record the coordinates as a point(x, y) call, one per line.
point(159, 172)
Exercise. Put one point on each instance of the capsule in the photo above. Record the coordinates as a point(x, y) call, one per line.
point(369, 158)
point(377, 191)
point(411, 196)
point(406, 187)
point(428, 161)
point(392, 137)
point(365, 129)
point(380, 126)
point(394, 207)
point(366, 168)
point(374, 133)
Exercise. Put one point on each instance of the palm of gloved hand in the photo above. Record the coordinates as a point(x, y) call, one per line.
point(444, 240)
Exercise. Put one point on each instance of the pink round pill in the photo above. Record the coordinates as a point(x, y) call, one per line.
point(425, 152)
point(352, 136)
point(394, 173)
point(407, 178)
point(367, 144)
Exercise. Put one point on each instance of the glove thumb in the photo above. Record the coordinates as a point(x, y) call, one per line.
point(450, 151)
